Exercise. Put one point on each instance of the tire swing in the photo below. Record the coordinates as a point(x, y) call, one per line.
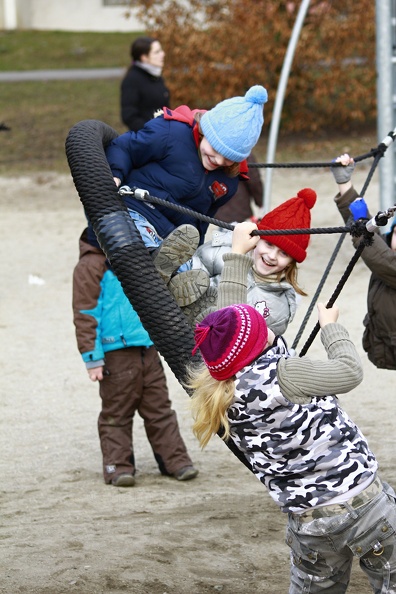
point(121, 242)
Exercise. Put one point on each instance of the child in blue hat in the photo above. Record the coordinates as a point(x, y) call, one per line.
point(193, 158)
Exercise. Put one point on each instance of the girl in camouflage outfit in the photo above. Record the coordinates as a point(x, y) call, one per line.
point(282, 413)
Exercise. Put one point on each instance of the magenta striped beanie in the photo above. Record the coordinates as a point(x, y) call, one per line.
point(231, 338)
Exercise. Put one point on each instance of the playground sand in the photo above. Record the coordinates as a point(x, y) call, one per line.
point(62, 529)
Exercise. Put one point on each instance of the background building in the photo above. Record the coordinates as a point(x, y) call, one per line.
point(70, 15)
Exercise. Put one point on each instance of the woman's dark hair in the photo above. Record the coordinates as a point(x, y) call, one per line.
point(141, 47)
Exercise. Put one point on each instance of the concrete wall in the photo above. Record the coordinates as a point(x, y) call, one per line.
point(66, 15)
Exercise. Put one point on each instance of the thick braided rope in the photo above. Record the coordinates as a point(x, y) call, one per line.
point(120, 240)
point(122, 244)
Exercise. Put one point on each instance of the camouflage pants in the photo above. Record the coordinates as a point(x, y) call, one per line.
point(322, 550)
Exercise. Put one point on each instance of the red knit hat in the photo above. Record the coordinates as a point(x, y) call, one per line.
point(292, 214)
point(230, 338)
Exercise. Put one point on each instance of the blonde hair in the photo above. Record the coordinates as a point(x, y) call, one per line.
point(209, 403)
point(289, 274)
point(232, 170)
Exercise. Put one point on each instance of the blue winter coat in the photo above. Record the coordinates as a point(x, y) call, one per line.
point(163, 158)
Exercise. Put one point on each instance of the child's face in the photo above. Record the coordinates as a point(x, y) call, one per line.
point(269, 259)
point(211, 159)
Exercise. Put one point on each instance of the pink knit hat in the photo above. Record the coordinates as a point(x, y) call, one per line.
point(230, 338)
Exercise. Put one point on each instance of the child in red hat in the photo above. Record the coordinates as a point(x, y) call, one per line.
point(259, 270)
point(283, 415)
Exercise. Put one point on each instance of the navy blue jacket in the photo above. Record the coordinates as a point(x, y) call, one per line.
point(163, 158)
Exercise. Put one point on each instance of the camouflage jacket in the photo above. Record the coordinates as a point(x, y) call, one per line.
point(305, 452)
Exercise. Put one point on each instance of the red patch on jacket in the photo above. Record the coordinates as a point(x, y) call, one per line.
point(218, 189)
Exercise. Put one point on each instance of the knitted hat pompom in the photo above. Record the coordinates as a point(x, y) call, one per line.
point(257, 94)
point(292, 214)
point(309, 197)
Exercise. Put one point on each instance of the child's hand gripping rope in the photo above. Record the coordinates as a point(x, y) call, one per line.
point(342, 175)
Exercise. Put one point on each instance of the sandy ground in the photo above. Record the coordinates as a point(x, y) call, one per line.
point(62, 529)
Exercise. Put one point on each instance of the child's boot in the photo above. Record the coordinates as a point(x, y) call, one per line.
point(187, 287)
point(201, 307)
point(175, 250)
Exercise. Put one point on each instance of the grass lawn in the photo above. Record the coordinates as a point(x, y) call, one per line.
point(39, 50)
point(40, 114)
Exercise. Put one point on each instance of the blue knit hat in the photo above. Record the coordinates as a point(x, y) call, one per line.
point(233, 126)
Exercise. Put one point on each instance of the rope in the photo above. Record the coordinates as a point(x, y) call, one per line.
point(374, 152)
point(380, 151)
point(143, 196)
point(336, 293)
point(121, 242)
point(318, 290)
point(377, 153)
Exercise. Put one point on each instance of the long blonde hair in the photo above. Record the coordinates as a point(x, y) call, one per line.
point(209, 403)
point(290, 275)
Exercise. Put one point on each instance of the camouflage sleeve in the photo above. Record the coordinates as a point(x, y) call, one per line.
point(300, 379)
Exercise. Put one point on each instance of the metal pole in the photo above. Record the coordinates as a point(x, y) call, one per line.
point(385, 60)
point(280, 94)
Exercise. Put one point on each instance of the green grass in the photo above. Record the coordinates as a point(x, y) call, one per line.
point(40, 114)
point(35, 50)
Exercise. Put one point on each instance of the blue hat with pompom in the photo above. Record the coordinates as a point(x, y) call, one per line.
point(233, 126)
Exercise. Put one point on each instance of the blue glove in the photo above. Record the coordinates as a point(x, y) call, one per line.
point(342, 173)
point(359, 209)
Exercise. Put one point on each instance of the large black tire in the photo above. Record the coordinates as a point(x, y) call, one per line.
point(122, 244)
point(124, 248)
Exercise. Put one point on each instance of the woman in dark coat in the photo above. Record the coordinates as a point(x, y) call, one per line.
point(143, 89)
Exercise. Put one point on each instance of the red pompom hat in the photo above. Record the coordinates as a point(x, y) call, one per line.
point(230, 338)
point(292, 214)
